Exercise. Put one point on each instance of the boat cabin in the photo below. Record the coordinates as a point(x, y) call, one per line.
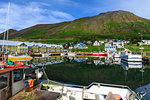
point(11, 82)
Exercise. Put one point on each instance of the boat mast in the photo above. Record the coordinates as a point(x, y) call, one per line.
point(6, 28)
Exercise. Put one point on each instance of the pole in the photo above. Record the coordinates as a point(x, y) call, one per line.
point(6, 28)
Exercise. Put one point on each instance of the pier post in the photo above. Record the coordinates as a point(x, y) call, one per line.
point(83, 92)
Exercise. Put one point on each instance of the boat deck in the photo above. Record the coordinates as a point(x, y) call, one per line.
point(35, 94)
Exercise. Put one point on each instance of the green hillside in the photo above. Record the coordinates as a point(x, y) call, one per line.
point(111, 25)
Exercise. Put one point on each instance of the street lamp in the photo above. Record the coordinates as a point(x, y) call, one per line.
point(141, 36)
point(141, 44)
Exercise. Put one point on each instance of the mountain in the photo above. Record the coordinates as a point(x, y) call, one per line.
point(115, 24)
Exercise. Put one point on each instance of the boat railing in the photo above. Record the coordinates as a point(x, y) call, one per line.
point(49, 83)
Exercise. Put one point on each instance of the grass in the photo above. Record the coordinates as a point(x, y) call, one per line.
point(135, 48)
point(35, 34)
point(90, 49)
point(54, 41)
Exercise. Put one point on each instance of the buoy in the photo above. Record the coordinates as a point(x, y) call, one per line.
point(31, 82)
point(118, 97)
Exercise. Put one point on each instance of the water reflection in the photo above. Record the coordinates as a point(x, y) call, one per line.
point(77, 70)
point(128, 65)
point(84, 70)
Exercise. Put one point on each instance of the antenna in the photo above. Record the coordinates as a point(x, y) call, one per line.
point(6, 28)
point(8, 19)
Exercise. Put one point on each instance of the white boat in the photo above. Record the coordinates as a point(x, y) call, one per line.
point(116, 54)
point(95, 91)
point(117, 60)
point(128, 65)
point(128, 56)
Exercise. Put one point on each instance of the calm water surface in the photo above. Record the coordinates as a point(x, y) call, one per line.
point(85, 70)
point(79, 71)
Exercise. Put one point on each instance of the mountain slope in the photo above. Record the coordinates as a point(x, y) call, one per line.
point(116, 24)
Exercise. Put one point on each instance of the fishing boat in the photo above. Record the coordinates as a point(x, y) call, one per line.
point(13, 80)
point(19, 57)
point(127, 65)
point(95, 91)
point(128, 56)
point(11, 64)
point(116, 54)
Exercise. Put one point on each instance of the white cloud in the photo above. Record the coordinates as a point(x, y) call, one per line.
point(139, 7)
point(23, 16)
point(66, 2)
point(62, 15)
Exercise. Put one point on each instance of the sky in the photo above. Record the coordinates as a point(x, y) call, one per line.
point(26, 13)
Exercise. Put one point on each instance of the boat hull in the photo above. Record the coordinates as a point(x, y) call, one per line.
point(91, 92)
point(99, 54)
point(134, 58)
point(19, 58)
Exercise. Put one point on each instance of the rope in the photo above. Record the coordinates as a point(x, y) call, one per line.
point(45, 73)
point(53, 82)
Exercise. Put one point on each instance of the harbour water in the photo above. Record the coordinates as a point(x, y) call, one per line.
point(85, 70)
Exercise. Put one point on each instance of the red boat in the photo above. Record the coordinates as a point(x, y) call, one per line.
point(100, 54)
point(11, 64)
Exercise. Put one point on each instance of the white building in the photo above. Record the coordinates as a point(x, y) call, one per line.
point(144, 42)
point(110, 48)
point(119, 44)
point(101, 42)
point(96, 43)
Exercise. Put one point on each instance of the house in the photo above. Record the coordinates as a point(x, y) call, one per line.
point(35, 48)
point(96, 43)
point(144, 42)
point(15, 47)
point(26, 47)
point(58, 49)
point(102, 42)
point(22, 48)
point(89, 42)
point(119, 44)
point(110, 48)
point(80, 46)
point(70, 47)
point(52, 49)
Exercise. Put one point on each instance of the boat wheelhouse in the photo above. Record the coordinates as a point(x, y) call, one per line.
point(128, 56)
